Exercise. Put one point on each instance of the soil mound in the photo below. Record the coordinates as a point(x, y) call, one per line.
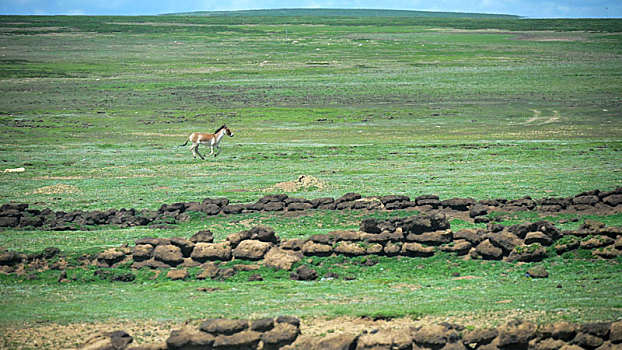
point(304, 182)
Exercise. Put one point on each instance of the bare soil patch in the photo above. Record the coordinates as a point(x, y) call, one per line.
point(303, 182)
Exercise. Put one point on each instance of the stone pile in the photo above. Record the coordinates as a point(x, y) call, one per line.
point(414, 236)
point(284, 333)
point(20, 215)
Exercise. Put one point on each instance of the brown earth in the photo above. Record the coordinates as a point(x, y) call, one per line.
point(73, 335)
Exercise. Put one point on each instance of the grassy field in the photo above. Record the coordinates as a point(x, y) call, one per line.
point(95, 108)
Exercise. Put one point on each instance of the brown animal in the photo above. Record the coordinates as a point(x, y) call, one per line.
point(213, 140)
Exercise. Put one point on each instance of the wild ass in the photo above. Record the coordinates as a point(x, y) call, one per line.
point(213, 140)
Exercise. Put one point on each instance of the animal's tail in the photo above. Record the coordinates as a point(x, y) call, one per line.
point(185, 143)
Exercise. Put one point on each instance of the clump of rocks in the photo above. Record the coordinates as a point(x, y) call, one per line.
point(22, 216)
point(284, 333)
point(420, 235)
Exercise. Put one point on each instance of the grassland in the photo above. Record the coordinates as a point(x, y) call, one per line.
point(467, 107)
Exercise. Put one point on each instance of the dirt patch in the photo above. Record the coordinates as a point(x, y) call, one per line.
point(72, 335)
point(56, 189)
point(304, 182)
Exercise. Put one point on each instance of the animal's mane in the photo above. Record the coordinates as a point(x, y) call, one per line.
point(217, 130)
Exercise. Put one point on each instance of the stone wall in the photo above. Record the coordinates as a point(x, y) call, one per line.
point(284, 333)
point(20, 215)
point(414, 236)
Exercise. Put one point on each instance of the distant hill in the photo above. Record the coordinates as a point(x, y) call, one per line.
point(340, 13)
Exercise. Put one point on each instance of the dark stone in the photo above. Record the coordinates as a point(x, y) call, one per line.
point(370, 225)
point(516, 333)
point(264, 234)
point(205, 236)
point(220, 202)
point(247, 340)
point(304, 273)
point(459, 204)
point(299, 206)
point(488, 251)
point(233, 208)
point(599, 329)
point(217, 326)
point(348, 197)
point(393, 199)
point(613, 200)
point(282, 334)
point(504, 240)
point(186, 338)
point(586, 200)
point(322, 239)
point(185, 245)
point(168, 254)
point(262, 325)
point(474, 236)
point(316, 203)
point(274, 206)
point(538, 272)
point(10, 258)
point(477, 210)
point(288, 319)
point(211, 209)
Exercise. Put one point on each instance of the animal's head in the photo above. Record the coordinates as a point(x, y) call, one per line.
point(227, 130)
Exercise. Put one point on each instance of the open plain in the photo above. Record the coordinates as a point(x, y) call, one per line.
point(490, 121)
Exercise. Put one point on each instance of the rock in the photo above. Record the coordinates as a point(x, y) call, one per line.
point(322, 239)
point(528, 253)
point(597, 242)
point(294, 244)
point(474, 236)
point(588, 341)
point(460, 246)
point(235, 238)
point(370, 226)
point(233, 208)
point(538, 237)
point(209, 270)
point(384, 339)
point(478, 210)
point(255, 278)
point(316, 203)
point(178, 274)
point(262, 325)
point(251, 250)
point(609, 252)
point(538, 272)
point(568, 244)
point(282, 334)
point(274, 206)
point(311, 248)
point(242, 341)
point(203, 236)
point(142, 252)
point(488, 251)
point(221, 326)
point(517, 333)
point(615, 334)
point(110, 257)
point(211, 251)
point(168, 254)
point(281, 259)
point(431, 336)
point(348, 197)
point(116, 340)
point(417, 224)
point(342, 235)
point(417, 250)
point(479, 337)
point(288, 319)
point(431, 238)
point(613, 200)
point(304, 273)
point(392, 249)
point(599, 329)
point(349, 248)
point(586, 200)
point(504, 240)
point(187, 338)
point(343, 341)
point(546, 344)
point(264, 234)
point(185, 245)
point(10, 258)
point(459, 204)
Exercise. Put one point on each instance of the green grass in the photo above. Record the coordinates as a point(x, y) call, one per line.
point(458, 107)
point(406, 287)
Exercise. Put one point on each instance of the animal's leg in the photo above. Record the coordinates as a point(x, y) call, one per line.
point(217, 153)
point(192, 147)
point(197, 150)
point(212, 150)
